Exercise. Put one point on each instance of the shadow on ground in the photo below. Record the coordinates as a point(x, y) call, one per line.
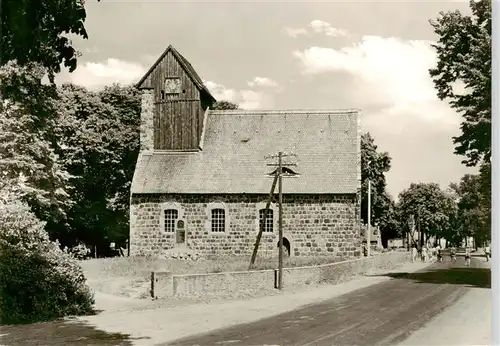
point(59, 333)
point(473, 277)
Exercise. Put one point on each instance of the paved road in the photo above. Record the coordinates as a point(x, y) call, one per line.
point(382, 314)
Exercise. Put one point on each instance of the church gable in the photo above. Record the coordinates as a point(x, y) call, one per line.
point(174, 75)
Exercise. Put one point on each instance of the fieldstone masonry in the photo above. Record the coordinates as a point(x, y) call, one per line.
point(315, 225)
point(147, 123)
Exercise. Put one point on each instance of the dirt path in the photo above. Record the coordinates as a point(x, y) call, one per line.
point(163, 324)
point(468, 322)
point(383, 314)
point(142, 322)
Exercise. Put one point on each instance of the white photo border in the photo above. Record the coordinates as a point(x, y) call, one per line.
point(495, 174)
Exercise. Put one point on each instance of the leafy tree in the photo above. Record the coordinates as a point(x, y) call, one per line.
point(485, 189)
point(36, 32)
point(389, 222)
point(374, 166)
point(432, 209)
point(99, 136)
point(464, 55)
point(27, 150)
point(473, 213)
point(224, 105)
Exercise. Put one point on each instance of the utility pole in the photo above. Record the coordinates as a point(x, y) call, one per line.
point(369, 230)
point(421, 235)
point(263, 221)
point(277, 178)
point(280, 221)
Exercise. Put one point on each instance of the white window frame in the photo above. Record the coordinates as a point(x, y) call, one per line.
point(208, 225)
point(180, 216)
point(172, 221)
point(262, 205)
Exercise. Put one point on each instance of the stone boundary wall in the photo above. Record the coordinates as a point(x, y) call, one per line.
point(234, 283)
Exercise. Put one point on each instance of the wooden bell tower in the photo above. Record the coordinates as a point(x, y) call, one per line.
point(180, 100)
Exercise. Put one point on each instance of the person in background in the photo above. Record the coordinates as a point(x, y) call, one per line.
point(413, 253)
point(453, 254)
point(487, 253)
point(439, 254)
point(467, 256)
point(424, 254)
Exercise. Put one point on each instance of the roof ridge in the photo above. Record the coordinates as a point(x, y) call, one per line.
point(287, 111)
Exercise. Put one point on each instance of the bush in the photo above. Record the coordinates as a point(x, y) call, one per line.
point(38, 280)
point(80, 251)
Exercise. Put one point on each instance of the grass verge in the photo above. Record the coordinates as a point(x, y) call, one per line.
point(129, 276)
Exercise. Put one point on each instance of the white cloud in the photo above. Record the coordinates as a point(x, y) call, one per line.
point(262, 82)
point(96, 75)
point(294, 32)
point(250, 99)
point(386, 71)
point(246, 99)
point(323, 27)
point(220, 92)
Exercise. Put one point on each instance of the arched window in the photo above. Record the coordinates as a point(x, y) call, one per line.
point(170, 213)
point(218, 220)
point(170, 218)
point(268, 226)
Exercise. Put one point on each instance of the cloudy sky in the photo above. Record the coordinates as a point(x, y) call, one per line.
point(368, 55)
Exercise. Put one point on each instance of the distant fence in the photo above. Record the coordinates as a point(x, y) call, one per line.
point(164, 285)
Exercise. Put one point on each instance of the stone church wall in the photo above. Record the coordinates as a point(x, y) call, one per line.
point(314, 225)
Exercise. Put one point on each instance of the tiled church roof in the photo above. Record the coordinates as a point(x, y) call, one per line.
point(235, 144)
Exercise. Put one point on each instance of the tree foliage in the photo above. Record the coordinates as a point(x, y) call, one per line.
point(99, 133)
point(74, 152)
point(431, 208)
point(27, 140)
point(464, 55)
point(474, 213)
point(38, 281)
point(36, 32)
point(224, 105)
point(374, 166)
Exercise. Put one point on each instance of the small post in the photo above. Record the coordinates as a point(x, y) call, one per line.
point(369, 230)
point(152, 291)
point(280, 222)
point(95, 251)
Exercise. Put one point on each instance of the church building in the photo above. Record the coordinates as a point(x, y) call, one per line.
point(202, 178)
